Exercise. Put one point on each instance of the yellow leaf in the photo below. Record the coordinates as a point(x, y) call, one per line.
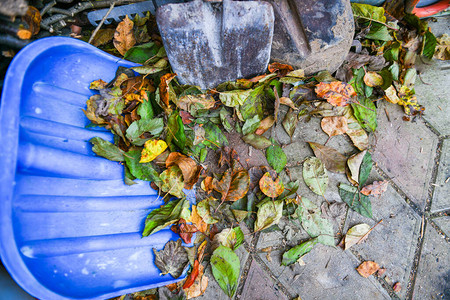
point(152, 148)
point(391, 95)
point(98, 85)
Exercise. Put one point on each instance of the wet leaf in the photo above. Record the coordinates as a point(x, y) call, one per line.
point(376, 188)
point(290, 122)
point(226, 268)
point(124, 37)
point(144, 171)
point(233, 185)
point(367, 268)
point(172, 181)
point(315, 175)
point(355, 234)
point(270, 187)
point(106, 149)
point(337, 93)
point(269, 213)
point(373, 79)
point(310, 217)
point(265, 124)
point(257, 141)
point(203, 210)
point(186, 231)
point(251, 125)
point(276, 158)
point(366, 114)
point(334, 125)
point(355, 200)
point(172, 260)
point(333, 160)
point(152, 148)
point(166, 215)
point(234, 98)
point(292, 255)
point(189, 168)
point(229, 237)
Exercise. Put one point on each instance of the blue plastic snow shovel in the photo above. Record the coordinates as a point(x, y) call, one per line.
point(69, 227)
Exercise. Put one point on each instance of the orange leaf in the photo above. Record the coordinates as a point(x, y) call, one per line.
point(233, 185)
point(207, 184)
point(124, 37)
point(24, 34)
point(33, 20)
point(191, 278)
point(367, 268)
point(282, 68)
point(334, 125)
point(197, 220)
point(199, 285)
point(189, 168)
point(270, 187)
point(164, 88)
point(376, 188)
point(337, 93)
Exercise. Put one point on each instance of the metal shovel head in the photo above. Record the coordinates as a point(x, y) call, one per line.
point(210, 43)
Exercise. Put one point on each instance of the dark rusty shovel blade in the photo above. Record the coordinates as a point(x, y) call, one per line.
point(210, 43)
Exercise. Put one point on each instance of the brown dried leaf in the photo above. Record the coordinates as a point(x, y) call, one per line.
point(233, 185)
point(256, 173)
point(282, 69)
point(189, 168)
point(33, 20)
point(373, 79)
point(288, 102)
point(333, 160)
point(123, 36)
point(103, 36)
point(164, 89)
point(271, 188)
point(334, 125)
point(376, 188)
point(367, 268)
point(197, 220)
point(186, 231)
point(265, 125)
point(206, 184)
point(337, 93)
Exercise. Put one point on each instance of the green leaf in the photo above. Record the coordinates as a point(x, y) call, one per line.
point(310, 217)
point(172, 260)
point(106, 149)
point(429, 45)
point(257, 141)
point(269, 213)
point(276, 158)
point(315, 175)
point(175, 132)
point(365, 113)
point(172, 181)
point(251, 125)
point(145, 110)
point(395, 70)
point(234, 98)
point(230, 237)
point(140, 54)
point(379, 32)
point(387, 78)
point(253, 104)
point(203, 210)
point(366, 167)
point(214, 136)
point(129, 178)
point(393, 52)
point(355, 200)
point(143, 171)
point(368, 12)
point(290, 122)
point(224, 119)
point(166, 215)
point(137, 128)
point(226, 267)
point(292, 255)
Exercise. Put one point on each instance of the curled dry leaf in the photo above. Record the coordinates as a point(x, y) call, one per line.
point(271, 188)
point(199, 285)
point(356, 234)
point(124, 37)
point(334, 125)
point(376, 188)
point(206, 184)
point(33, 20)
point(164, 89)
point(367, 268)
point(189, 168)
point(337, 93)
point(373, 79)
point(288, 102)
point(283, 69)
point(265, 125)
point(186, 231)
point(391, 95)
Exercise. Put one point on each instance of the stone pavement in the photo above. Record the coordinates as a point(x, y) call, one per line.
point(413, 240)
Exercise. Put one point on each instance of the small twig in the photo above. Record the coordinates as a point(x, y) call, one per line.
point(420, 76)
point(47, 7)
point(101, 23)
point(387, 114)
point(367, 233)
point(55, 10)
point(421, 227)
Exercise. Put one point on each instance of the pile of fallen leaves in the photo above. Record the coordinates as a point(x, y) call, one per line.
point(175, 136)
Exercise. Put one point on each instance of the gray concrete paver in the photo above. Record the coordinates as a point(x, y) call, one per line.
point(433, 275)
point(441, 199)
point(444, 224)
point(405, 151)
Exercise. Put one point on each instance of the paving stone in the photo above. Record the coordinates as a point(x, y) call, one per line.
point(393, 242)
point(260, 286)
point(290, 234)
point(213, 291)
point(328, 274)
point(405, 151)
point(441, 200)
point(433, 275)
point(444, 224)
